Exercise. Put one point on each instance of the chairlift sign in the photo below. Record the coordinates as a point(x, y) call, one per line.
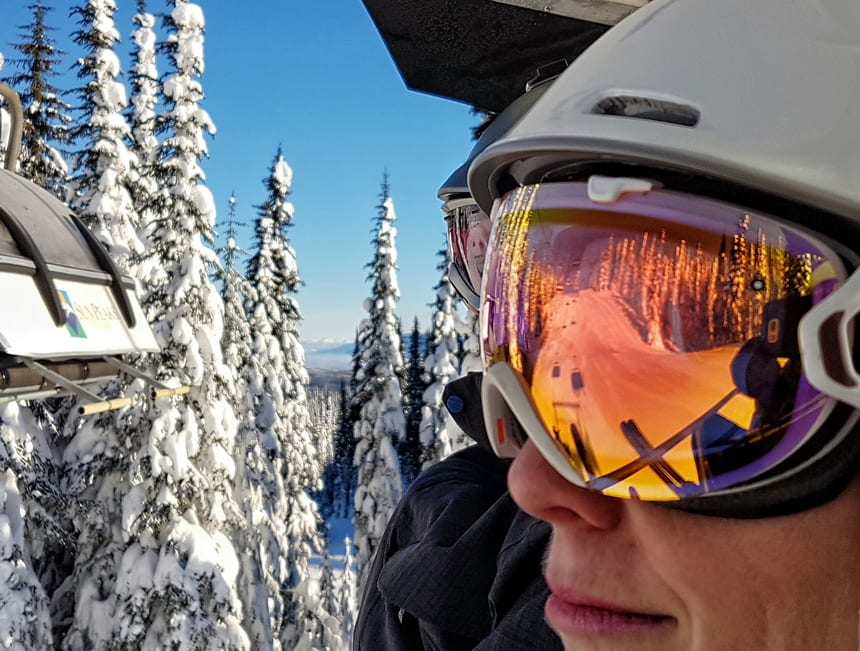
point(94, 325)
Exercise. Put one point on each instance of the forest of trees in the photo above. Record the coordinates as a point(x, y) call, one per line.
point(199, 520)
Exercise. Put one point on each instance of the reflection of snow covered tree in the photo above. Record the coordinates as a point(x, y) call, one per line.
point(46, 117)
point(671, 288)
point(438, 437)
point(381, 424)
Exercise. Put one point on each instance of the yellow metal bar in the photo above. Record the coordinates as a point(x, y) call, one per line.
point(106, 405)
point(165, 393)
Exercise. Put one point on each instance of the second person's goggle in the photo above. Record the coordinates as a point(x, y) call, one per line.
point(468, 232)
point(647, 341)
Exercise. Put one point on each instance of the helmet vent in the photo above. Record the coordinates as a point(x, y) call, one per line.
point(645, 108)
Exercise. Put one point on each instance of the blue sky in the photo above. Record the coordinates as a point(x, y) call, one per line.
point(316, 79)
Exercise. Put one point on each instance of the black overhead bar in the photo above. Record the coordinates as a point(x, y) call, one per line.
point(482, 52)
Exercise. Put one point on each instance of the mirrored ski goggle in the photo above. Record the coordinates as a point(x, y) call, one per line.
point(468, 232)
point(649, 345)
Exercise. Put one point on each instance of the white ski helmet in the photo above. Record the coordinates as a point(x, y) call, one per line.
point(762, 93)
point(730, 121)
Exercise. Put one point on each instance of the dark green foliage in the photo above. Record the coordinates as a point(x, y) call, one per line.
point(46, 116)
point(410, 449)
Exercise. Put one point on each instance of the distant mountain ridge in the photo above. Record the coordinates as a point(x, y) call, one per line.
point(330, 362)
point(328, 355)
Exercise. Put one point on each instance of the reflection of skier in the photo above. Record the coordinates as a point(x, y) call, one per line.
point(476, 246)
point(654, 337)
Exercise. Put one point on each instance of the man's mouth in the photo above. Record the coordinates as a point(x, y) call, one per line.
point(576, 614)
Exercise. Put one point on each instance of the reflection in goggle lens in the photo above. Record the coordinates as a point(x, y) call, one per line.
point(657, 335)
point(468, 233)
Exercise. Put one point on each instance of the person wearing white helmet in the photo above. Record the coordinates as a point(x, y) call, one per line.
point(669, 308)
point(459, 566)
point(469, 226)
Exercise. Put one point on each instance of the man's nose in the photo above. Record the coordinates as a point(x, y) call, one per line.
point(544, 494)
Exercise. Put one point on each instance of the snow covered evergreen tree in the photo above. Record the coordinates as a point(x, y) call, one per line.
point(441, 366)
point(273, 271)
point(339, 473)
point(96, 460)
point(346, 590)
point(358, 390)
point(382, 424)
point(98, 190)
point(141, 114)
point(281, 402)
point(46, 115)
point(323, 408)
point(411, 449)
point(259, 487)
point(236, 293)
point(29, 503)
point(331, 636)
point(468, 329)
point(176, 578)
point(36, 539)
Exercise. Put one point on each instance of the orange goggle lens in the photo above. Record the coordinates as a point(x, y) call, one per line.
point(657, 335)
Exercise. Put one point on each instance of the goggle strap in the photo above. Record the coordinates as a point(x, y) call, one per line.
point(828, 367)
point(508, 407)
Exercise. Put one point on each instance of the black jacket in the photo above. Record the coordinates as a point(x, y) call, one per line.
point(459, 566)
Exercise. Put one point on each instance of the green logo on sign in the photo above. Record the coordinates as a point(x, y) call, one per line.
point(73, 323)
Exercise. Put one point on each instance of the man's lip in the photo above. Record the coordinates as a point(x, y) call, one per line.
point(571, 597)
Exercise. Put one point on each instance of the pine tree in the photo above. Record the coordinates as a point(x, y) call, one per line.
point(46, 115)
point(441, 366)
point(346, 589)
point(324, 411)
point(235, 293)
point(358, 394)
point(176, 582)
point(98, 190)
point(382, 423)
point(141, 115)
point(96, 460)
point(411, 450)
point(468, 331)
point(32, 533)
point(339, 473)
point(323, 408)
point(281, 403)
point(258, 483)
point(331, 636)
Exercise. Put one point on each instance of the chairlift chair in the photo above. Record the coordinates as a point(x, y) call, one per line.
point(68, 312)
